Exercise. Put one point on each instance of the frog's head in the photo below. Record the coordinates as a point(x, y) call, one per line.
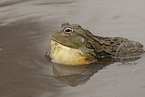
point(72, 45)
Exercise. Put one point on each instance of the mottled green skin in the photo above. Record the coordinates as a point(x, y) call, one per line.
point(96, 46)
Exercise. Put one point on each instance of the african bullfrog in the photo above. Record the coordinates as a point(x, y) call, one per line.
point(74, 45)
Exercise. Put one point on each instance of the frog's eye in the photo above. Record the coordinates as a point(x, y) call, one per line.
point(68, 30)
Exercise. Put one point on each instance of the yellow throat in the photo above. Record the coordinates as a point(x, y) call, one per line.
point(66, 55)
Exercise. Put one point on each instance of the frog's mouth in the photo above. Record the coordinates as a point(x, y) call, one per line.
point(67, 55)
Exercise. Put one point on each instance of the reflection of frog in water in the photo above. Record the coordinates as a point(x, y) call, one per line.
point(74, 45)
point(80, 74)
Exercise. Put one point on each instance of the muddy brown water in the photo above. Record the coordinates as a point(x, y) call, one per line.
point(25, 27)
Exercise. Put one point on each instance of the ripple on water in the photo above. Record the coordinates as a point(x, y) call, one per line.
point(23, 48)
point(9, 90)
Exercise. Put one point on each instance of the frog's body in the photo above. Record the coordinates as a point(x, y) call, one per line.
point(75, 45)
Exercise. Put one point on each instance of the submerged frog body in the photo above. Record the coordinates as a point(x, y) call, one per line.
point(74, 45)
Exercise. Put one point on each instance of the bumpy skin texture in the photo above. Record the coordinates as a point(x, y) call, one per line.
point(95, 46)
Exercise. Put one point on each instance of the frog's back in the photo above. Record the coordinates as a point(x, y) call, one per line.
point(120, 47)
point(129, 48)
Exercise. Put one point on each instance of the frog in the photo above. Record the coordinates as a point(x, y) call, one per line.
point(72, 44)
